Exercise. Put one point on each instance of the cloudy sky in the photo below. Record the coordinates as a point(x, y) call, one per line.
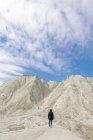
point(49, 38)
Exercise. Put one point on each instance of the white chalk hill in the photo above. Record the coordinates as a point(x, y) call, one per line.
point(22, 93)
point(72, 102)
point(73, 97)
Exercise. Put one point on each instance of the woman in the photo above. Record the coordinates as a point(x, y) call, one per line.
point(50, 117)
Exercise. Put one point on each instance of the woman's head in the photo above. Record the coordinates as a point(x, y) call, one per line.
point(50, 110)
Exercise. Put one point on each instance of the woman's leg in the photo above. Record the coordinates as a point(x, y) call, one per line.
point(49, 123)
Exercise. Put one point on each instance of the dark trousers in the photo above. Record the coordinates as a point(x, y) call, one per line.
point(50, 123)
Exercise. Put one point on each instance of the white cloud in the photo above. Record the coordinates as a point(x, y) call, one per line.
point(67, 20)
point(38, 33)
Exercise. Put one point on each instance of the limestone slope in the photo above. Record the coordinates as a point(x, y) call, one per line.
point(72, 103)
point(22, 93)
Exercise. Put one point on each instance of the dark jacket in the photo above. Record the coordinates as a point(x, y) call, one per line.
point(50, 116)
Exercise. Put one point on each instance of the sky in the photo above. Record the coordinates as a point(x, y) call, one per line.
point(52, 39)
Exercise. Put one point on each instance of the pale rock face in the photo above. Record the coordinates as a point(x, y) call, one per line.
point(72, 98)
point(22, 93)
point(53, 85)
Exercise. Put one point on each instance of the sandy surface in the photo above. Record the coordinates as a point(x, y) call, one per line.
point(41, 133)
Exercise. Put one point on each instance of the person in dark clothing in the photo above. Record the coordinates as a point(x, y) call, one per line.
point(50, 117)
